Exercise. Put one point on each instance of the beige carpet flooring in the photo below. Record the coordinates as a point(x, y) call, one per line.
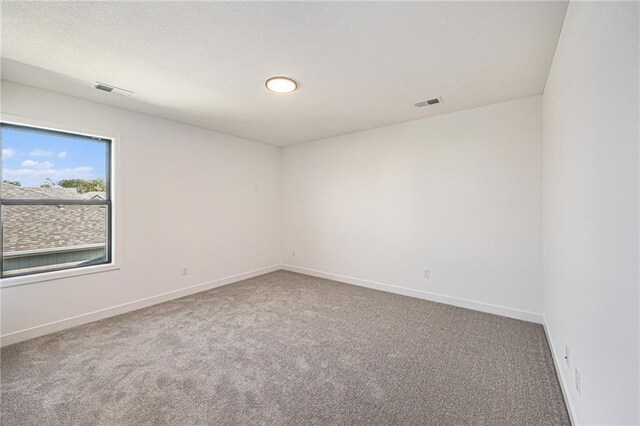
point(285, 348)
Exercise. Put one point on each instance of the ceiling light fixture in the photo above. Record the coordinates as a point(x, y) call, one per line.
point(281, 84)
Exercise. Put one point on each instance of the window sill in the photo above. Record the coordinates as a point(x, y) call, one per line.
point(56, 275)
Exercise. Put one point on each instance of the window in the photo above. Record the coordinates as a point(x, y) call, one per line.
point(55, 201)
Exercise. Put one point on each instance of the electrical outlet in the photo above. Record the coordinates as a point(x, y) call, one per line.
point(427, 273)
point(578, 382)
point(293, 253)
point(185, 270)
point(567, 355)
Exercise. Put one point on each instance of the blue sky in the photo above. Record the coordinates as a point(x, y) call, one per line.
point(32, 157)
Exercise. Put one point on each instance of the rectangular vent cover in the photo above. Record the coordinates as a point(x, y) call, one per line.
point(103, 87)
point(437, 100)
point(112, 89)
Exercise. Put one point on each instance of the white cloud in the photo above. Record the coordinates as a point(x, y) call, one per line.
point(37, 164)
point(62, 155)
point(40, 153)
point(35, 177)
point(8, 152)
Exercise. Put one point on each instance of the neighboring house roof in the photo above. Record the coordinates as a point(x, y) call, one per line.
point(93, 195)
point(44, 227)
point(22, 192)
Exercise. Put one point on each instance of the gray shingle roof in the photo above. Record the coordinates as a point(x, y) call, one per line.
point(41, 227)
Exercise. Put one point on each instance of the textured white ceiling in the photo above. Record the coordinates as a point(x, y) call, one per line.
point(359, 65)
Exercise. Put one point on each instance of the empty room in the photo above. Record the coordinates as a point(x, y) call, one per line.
point(324, 213)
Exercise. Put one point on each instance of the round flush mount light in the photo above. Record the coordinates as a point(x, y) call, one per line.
point(281, 84)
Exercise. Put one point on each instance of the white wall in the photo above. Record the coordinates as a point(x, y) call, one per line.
point(459, 193)
point(191, 197)
point(591, 211)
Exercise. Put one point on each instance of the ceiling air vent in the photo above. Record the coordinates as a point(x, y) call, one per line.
point(100, 86)
point(437, 100)
point(112, 89)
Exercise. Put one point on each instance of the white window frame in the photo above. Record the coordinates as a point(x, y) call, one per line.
point(116, 205)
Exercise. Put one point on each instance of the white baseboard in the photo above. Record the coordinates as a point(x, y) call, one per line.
point(558, 362)
point(52, 327)
point(434, 297)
